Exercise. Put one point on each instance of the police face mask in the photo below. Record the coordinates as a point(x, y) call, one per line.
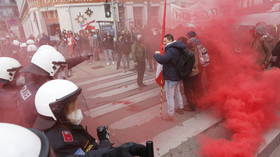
point(75, 117)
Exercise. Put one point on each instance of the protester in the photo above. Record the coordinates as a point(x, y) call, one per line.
point(170, 75)
point(262, 44)
point(108, 44)
point(202, 63)
point(139, 57)
point(190, 82)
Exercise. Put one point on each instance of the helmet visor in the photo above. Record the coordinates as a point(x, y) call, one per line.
point(69, 103)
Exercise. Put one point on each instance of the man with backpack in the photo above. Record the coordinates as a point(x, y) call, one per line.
point(197, 81)
point(172, 74)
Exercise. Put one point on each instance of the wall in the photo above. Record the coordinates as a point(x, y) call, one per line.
point(67, 15)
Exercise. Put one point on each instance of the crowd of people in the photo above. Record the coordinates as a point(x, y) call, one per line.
point(121, 51)
point(31, 72)
point(49, 104)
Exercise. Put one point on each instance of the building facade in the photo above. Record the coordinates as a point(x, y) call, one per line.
point(50, 16)
point(9, 17)
point(190, 13)
point(254, 11)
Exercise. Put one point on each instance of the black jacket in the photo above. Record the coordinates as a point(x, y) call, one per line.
point(67, 139)
point(26, 100)
point(108, 42)
point(169, 60)
point(8, 105)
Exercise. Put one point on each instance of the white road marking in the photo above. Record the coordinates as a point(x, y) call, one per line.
point(101, 78)
point(137, 118)
point(112, 83)
point(107, 108)
point(122, 89)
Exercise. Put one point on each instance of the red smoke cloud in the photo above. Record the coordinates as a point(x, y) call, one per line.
point(239, 90)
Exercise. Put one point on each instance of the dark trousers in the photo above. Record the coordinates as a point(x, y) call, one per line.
point(119, 59)
point(190, 85)
point(140, 68)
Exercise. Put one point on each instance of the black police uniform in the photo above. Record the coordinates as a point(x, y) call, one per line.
point(26, 102)
point(71, 140)
point(9, 112)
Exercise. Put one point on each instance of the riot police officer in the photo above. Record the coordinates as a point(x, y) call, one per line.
point(45, 64)
point(57, 104)
point(59, 117)
point(8, 70)
point(17, 141)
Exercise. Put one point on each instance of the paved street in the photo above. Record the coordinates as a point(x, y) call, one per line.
point(133, 114)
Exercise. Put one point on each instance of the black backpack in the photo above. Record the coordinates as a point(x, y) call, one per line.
point(185, 63)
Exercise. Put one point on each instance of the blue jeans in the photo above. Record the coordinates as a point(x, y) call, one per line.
point(173, 96)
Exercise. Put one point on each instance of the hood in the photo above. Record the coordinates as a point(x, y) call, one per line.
point(194, 41)
point(177, 44)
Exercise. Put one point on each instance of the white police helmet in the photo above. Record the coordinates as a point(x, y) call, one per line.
point(53, 95)
point(23, 45)
point(17, 141)
point(31, 48)
point(8, 68)
point(30, 42)
point(16, 42)
point(48, 59)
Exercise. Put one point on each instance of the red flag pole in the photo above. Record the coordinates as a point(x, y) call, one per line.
point(163, 28)
point(159, 78)
point(161, 81)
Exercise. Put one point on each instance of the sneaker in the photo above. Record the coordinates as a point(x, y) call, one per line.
point(113, 63)
point(108, 63)
point(102, 133)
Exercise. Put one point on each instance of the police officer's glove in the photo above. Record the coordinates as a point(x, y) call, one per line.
point(127, 150)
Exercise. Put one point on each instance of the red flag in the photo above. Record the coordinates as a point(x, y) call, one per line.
point(159, 75)
point(87, 26)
